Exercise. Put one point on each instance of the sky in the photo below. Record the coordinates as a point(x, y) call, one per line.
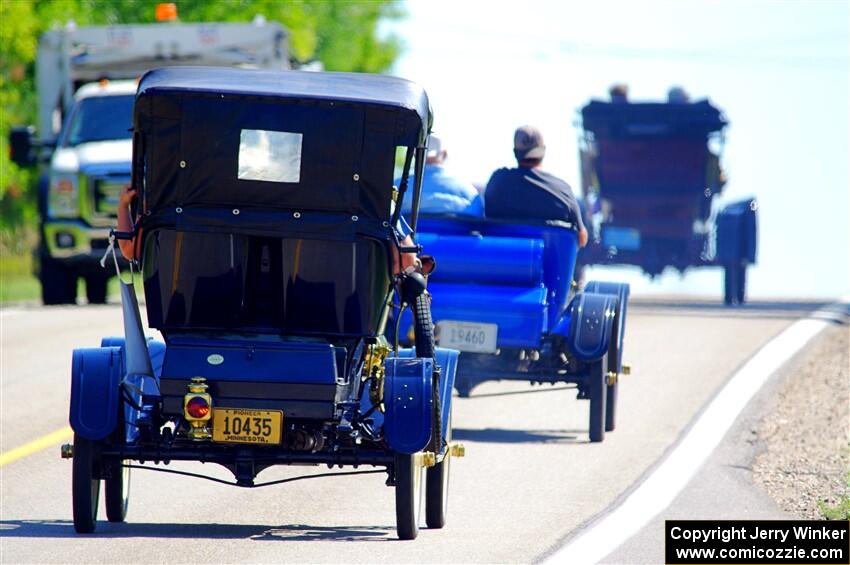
point(779, 71)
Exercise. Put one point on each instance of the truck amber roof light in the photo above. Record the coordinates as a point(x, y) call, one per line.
point(166, 12)
point(104, 82)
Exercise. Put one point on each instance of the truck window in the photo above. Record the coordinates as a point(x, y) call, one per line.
point(100, 118)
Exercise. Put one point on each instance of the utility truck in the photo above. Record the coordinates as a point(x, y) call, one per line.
point(86, 80)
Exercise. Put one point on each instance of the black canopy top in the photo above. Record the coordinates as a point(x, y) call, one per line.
point(273, 140)
point(357, 88)
point(627, 119)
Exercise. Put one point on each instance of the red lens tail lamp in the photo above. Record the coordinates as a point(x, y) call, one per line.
point(197, 409)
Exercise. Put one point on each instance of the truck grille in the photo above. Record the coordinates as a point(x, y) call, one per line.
point(105, 191)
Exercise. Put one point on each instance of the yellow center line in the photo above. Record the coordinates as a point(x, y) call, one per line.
point(36, 445)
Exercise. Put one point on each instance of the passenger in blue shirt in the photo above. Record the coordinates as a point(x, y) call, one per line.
point(442, 192)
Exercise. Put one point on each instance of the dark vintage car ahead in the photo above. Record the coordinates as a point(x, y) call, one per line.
point(651, 173)
point(266, 237)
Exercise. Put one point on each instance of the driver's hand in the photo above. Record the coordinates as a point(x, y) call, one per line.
point(582, 237)
point(127, 196)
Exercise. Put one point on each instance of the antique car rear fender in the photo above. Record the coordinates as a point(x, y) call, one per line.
point(621, 291)
point(156, 350)
point(95, 379)
point(408, 398)
point(447, 362)
point(737, 233)
point(586, 325)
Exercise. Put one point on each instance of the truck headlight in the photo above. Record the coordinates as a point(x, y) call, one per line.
point(63, 198)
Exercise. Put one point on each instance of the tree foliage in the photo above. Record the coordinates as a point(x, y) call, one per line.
point(344, 35)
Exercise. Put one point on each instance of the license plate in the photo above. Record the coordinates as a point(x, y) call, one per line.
point(468, 336)
point(627, 239)
point(232, 425)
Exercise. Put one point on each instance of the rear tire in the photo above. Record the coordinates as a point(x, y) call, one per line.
point(597, 376)
point(614, 363)
point(611, 405)
point(85, 488)
point(408, 496)
point(734, 284)
point(742, 284)
point(437, 488)
point(96, 286)
point(117, 491)
point(464, 389)
point(58, 283)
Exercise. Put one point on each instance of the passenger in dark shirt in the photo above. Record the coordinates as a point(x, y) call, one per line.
point(529, 193)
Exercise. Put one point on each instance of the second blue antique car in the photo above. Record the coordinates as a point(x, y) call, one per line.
point(268, 246)
point(503, 295)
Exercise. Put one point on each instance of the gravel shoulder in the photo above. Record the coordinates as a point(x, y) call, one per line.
point(805, 434)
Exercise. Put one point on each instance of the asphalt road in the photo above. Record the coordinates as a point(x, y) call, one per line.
point(529, 479)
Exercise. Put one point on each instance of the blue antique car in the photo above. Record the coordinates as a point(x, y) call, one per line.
point(503, 294)
point(267, 241)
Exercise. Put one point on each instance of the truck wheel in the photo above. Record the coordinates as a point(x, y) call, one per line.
point(117, 491)
point(58, 284)
point(85, 488)
point(96, 288)
point(423, 335)
point(596, 390)
point(408, 496)
point(437, 488)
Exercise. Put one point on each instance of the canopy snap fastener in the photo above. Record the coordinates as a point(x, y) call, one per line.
point(182, 164)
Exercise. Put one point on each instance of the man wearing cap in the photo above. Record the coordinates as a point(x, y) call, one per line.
point(529, 193)
point(442, 192)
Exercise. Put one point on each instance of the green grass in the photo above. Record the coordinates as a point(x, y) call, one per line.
point(840, 511)
point(17, 282)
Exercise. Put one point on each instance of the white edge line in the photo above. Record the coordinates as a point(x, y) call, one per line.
point(660, 488)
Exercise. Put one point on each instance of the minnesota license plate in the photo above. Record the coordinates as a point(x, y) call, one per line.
point(468, 336)
point(231, 425)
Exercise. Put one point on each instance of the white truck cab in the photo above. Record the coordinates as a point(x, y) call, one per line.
point(88, 169)
point(86, 79)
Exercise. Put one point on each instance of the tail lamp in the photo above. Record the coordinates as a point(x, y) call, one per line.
point(197, 409)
